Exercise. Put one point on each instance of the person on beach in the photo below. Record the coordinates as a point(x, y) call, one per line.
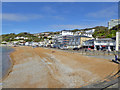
point(116, 57)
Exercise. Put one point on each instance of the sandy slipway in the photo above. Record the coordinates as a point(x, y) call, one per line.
point(47, 68)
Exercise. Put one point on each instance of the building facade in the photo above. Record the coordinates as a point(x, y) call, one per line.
point(76, 41)
point(101, 44)
point(113, 23)
point(104, 43)
point(89, 33)
point(66, 32)
point(88, 44)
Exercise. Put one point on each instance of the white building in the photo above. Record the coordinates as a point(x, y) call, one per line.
point(28, 43)
point(34, 43)
point(89, 33)
point(77, 33)
point(66, 32)
point(57, 40)
point(15, 42)
point(4, 42)
point(88, 43)
point(113, 23)
point(74, 42)
point(117, 41)
point(21, 38)
point(49, 36)
point(101, 43)
point(107, 43)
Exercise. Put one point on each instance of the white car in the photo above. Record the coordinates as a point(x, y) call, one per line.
point(63, 48)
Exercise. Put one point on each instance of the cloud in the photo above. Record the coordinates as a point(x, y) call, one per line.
point(57, 17)
point(20, 17)
point(61, 27)
point(89, 20)
point(48, 9)
point(105, 13)
point(74, 26)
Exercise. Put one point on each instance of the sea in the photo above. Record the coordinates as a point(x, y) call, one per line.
point(5, 62)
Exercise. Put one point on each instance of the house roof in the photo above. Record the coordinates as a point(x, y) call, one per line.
point(89, 40)
point(82, 36)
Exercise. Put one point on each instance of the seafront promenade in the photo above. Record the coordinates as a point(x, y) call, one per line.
point(49, 68)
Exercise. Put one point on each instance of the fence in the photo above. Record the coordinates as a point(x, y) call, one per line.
point(95, 52)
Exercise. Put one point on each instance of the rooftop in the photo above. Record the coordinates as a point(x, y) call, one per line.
point(104, 39)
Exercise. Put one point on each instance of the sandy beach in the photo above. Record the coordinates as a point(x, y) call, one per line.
point(47, 68)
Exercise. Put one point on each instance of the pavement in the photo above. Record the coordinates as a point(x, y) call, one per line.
point(101, 56)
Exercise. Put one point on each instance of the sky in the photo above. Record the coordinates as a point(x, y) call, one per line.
point(36, 17)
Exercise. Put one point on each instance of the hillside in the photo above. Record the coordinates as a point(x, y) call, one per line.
point(11, 37)
point(104, 32)
point(100, 32)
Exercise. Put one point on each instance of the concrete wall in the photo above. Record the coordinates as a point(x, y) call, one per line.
point(117, 41)
point(109, 43)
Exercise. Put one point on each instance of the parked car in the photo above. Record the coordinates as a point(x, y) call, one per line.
point(75, 48)
point(64, 48)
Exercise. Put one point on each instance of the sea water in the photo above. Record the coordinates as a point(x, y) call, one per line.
point(5, 62)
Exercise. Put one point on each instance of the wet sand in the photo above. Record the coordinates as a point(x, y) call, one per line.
point(6, 62)
point(47, 68)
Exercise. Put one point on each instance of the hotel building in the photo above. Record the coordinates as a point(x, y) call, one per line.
point(113, 23)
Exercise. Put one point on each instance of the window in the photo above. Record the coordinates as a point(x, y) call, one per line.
point(113, 41)
point(104, 41)
point(99, 41)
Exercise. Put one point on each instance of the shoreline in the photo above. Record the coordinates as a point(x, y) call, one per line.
point(12, 60)
point(11, 66)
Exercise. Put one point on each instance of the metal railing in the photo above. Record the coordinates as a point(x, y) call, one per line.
point(93, 52)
